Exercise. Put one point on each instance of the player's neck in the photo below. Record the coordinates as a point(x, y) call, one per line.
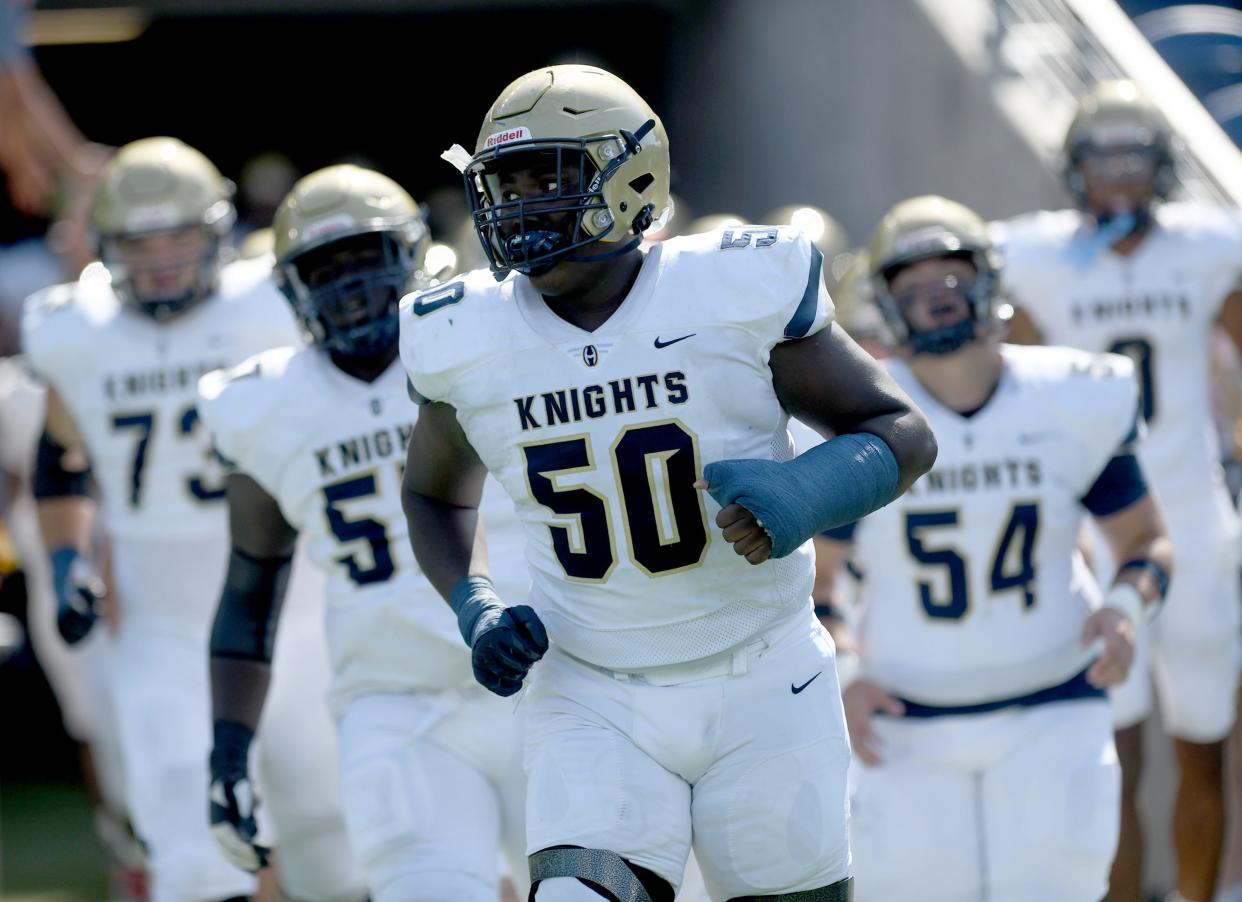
point(597, 291)
point(1129, 244)
point(365, 369)
point(964, 380)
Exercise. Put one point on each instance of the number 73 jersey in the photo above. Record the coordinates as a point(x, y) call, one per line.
point(974, 588)
point(130, 384)
point(599, 436)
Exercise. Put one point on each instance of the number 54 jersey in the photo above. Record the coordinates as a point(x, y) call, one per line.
point(975, 591)
point(599, 436)
point(331, 450)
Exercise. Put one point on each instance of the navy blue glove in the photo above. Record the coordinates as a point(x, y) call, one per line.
point(80, 592)
point(232, 800)
point(505, 642)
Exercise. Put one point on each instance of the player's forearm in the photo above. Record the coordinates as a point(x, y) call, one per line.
point(244, 635)
point(1157, 550)
point(67, 522)
point(910, 438)
point(447, 540)
point(1136, 536)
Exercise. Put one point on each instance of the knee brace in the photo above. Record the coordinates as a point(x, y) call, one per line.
point(610, 875)
point(841, 891)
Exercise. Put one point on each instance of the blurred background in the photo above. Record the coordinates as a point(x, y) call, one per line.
point(848, 105)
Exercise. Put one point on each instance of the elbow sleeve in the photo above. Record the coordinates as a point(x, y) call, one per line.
point(245, 624)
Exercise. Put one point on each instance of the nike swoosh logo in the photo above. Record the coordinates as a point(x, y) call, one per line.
point(665, 344)
point(796, 689)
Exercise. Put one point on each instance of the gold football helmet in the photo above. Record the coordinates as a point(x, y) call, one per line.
point(1115, 118)
point(593, 158)
point(925, 227)
point(155, 197)
point(349, 244)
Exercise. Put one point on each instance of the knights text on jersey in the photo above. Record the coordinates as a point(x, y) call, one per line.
point(129, 383)
point(599, 436)
point(975, 591)
point(1156, 306)
point(331, 450)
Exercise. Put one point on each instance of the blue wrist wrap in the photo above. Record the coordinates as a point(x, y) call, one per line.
point(840, 481)
point(473, 597)
point(62, 560)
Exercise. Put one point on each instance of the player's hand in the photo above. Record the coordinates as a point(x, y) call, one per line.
point(862, 700)
point(232, 800)
point(80, 593)
point(506, 644)
point(233, 803)
point(1114, 632)
point(743, 529)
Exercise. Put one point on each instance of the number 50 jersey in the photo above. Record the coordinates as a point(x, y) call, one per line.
point(599, 436)
point(975, 591)
point(331, 450)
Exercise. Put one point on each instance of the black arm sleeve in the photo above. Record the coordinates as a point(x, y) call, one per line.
point(245, 625)
point(51, 479)
point(1120, 484)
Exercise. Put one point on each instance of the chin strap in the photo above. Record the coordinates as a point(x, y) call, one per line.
point(617, 252)
point(1109, 230)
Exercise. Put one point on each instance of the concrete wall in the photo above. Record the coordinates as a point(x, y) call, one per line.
point(852, 105)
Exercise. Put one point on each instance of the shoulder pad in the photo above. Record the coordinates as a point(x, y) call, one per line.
point(242, 276)
point(235, 403)
point(60, 322)
point(452, 328)
point(769, 279)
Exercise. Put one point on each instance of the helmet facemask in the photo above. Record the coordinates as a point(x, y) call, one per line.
point(531, 232)
point(346, 291)
point(1119, 141)
point(144, 266)
point(976, 294)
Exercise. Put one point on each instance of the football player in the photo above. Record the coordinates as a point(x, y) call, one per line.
point(976, 707)
point(1129, 273)
point(606, 387)
point(121, 359)
point(430, 765)
point(78, 676)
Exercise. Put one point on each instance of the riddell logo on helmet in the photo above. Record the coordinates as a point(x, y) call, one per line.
point(930, 238)
point(320, 227)
point(521, 133)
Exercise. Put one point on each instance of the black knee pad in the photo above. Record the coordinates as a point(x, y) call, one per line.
point(605, 872)
point(841, 891)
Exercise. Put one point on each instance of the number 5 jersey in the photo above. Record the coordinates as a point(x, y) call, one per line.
point(599, 436)
point(331, 450)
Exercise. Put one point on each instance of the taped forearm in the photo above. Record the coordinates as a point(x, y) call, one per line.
point(246, 618)
point(243, 636)
point(838, 482)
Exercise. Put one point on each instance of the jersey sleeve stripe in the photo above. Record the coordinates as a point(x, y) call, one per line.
point(804, 316)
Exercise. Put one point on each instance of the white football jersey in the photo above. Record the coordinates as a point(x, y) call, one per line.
point(130, 384)
point(1156, 306)
point(599, 436)
point(331, 450)
point(21, 417)
point(975, 591)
